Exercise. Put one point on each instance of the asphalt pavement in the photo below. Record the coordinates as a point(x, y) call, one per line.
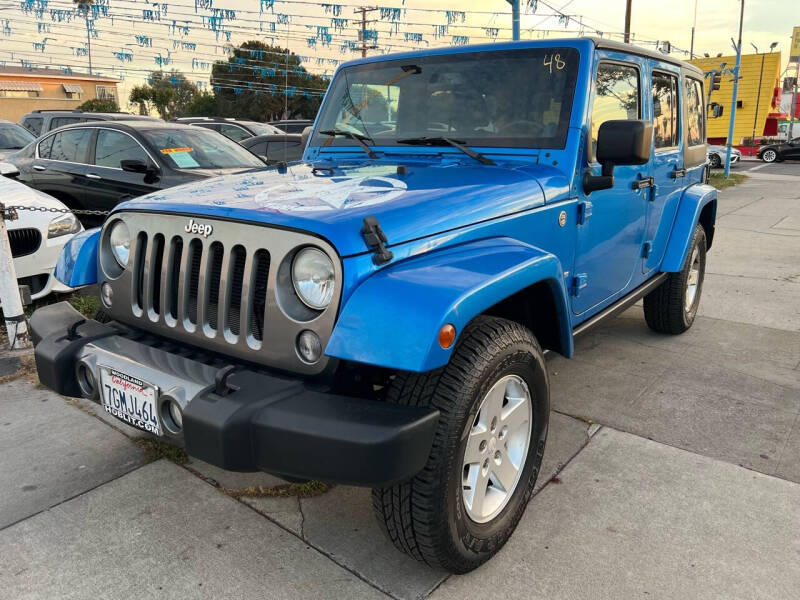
point(672, 470)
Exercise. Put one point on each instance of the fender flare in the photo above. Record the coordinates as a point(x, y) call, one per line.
point(77, 263)
point(693, 201)
point(393, 318)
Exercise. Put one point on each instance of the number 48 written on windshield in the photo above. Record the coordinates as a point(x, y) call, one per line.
point(551, 60)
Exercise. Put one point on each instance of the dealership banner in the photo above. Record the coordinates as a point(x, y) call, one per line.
point(794, 54)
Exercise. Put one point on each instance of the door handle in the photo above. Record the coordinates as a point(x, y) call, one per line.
point(678, 173)
point(92, 176)
point(644, 182)
point(39, 168)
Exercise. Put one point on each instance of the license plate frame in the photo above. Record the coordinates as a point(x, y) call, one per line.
point(135, 401)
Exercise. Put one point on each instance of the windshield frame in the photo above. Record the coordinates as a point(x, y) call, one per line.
point(558, 141)
point(190, 130)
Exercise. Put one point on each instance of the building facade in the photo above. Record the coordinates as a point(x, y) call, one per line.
point(23, 90)
point(759, 97)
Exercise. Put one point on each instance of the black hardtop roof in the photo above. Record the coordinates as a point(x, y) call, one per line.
point(639, 51)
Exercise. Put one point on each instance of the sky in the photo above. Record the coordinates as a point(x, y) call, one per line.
point(188, 35)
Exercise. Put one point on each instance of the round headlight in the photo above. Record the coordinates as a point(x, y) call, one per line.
point(119, 239)
point(313, 278)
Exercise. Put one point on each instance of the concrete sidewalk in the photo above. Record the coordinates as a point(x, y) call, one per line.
point(688, 489)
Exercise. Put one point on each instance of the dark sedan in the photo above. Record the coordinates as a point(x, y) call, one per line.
point(96, 166)
point(781, 151)
point(273, 149)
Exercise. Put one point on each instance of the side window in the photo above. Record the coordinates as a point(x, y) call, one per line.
point(234, 132)
point(287, 151)
point(59, 121)
point(113, 146)
point(259, 149)
point(212, 126)
point(665, 110)
point(71, 145)
point(695, 124)
point(617, 96)
point(34, 125)
point(45, 146)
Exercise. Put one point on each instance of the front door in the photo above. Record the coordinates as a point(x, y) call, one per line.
point(108, 184)
point(669, 174)
point(609, 240)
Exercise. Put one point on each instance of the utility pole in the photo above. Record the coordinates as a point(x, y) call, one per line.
point(362, 35)
point(735, 93)
point(694, 24)
point(85, 5)
point(514, 19)
point(628, 21)
point(793, 105)
point(13, 314)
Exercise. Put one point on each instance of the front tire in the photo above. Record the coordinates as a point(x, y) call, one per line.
point(672, 306)
point(493, 397)
point(716, 161)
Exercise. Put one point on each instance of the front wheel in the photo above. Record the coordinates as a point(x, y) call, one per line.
point(493, 397)
point(769, 156)
point(672, 306)
point(716, 161)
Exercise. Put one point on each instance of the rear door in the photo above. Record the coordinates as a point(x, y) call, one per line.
point(609, 240)
point(669, 174)
point(59, 169)
point(108, 184)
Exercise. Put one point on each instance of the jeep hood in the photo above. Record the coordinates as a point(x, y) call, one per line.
point(427, 199)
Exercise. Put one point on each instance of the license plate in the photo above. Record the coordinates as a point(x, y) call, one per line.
point(130, 400)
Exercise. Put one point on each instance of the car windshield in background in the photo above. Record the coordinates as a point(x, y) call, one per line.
point(519, 98)
point(14, 137)
point(263, 128)
point(197, 148)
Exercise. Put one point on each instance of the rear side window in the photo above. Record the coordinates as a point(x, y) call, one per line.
point(617, 96)
point(665, 110)
point(71, 145)
point(695, 124)
point(260, 149)
point(285, 151)
point(34, 125)
point(60, 121)
point(45, 146)
point(113, 146)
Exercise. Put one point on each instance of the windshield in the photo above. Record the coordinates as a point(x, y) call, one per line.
point(515, 98)
point(198, 148)
point(13, 137)
point(263, 128)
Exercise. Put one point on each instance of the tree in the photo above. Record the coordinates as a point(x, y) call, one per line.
point(263, 82)
point(99, 105)
point(204, 104)
point(168, 93)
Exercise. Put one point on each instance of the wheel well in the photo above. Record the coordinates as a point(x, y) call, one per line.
point(535, 308)
point(707, 219)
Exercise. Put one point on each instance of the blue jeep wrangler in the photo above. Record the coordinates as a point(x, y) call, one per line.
point(378, 313)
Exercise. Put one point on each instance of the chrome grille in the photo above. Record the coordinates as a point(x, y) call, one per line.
point(210, 291)
point(218, 292)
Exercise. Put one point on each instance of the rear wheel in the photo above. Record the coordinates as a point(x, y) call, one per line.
point(672, 306)
point(769, 156)
point(716, 161)
point(493, 397)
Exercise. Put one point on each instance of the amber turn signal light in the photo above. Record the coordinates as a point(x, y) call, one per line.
point(447, 335)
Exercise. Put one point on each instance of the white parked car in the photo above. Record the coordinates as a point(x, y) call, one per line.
point(716, 156)
point(36, 237)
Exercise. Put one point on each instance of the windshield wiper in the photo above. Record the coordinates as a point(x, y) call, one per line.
point(353, 136)
point(440, 141)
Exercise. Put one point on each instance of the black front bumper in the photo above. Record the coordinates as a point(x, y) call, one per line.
point(257, 421)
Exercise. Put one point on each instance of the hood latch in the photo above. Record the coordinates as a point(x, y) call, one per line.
point(376, 241)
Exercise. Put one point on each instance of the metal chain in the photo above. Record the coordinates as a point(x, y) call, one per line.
point(9, 212)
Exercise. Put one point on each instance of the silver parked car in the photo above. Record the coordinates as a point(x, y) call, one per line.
point(716, 156)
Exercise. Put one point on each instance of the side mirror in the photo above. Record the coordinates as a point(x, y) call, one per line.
point(8, 170)
point(305, 135)
point(620, 142)
point(133, 165)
